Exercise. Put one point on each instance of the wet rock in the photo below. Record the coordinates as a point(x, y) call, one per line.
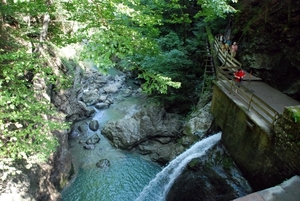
point(189, 140)
point(151, 130)
point(94, 125)
point(78, 111)
point(90, 112)
point(89, 146)
point(82, 105)
point(101, 80)
point(90, 97)
point(112, 88)
point(163, 140)
point(127, 92)
point(103, 98)
point(93, 140)
point(109, 101)
point(139, 90)
point(74, 134)
point(158, 152)
point(103, 163)
point(124, 133)
point(100, 106)
point(83, 127)
point(200, 122)
point(211, 177)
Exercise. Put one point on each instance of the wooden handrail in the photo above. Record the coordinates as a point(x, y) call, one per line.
point(252, 102)
point(225, 57)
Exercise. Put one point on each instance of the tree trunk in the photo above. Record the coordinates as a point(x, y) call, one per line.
point(43, 33)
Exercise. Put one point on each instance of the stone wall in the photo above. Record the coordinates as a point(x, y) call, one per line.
point(252, 147)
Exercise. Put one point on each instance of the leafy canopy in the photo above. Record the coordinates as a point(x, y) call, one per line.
point(118, 29)
point(24, 115)
point(127, 29)
point(213, 9)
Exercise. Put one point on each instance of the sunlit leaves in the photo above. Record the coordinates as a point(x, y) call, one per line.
point(157, 83)
point(114, 28)
point(212, 9)
point(24, 128)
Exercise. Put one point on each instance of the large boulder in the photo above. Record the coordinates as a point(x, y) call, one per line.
point(156, 122)
point(159, 152)
point(90, 97)
point(199, 122)
point(124, 133)
point(112, 88)
point(152, 128)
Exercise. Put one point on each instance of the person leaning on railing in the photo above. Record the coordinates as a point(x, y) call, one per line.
point(239, 75)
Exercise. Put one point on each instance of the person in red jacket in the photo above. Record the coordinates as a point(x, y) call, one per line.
point(239, 75)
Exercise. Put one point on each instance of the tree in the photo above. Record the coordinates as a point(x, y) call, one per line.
point(113, 29)
point(211, 9)
point(24, 122)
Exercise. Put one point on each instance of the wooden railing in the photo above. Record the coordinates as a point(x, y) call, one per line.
point(252, 102)
point(225, 58)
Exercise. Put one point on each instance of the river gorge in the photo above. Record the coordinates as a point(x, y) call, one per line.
point(144, 153)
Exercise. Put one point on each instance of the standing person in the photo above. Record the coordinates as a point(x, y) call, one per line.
point(239, 75)
point(221, 38)
point(233, 49)
point(223, 47)
point(228, 43)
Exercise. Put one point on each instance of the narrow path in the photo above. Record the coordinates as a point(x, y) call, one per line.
point(258, 97)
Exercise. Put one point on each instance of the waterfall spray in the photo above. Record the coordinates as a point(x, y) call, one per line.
point(159, 187)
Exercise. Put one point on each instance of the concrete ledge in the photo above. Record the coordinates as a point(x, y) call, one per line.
point(286, 191)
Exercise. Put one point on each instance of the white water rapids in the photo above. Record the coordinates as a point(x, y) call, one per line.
point(158, 188)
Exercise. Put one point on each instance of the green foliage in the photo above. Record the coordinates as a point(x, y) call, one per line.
point(24, 124)
point(114, 29)
point(211, 9)
point(25, 113)
point(295, 113)
point(158, 71)
point(157, 82)
point(174, 12)
point(170, 41)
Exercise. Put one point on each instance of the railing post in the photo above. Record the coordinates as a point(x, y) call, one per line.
point(232, 81)
point(250, 101)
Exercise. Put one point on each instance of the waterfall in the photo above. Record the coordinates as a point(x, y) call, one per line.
point(158, 188)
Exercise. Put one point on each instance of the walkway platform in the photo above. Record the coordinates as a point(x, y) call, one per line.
point(271, 96)
point(274, 98)
point(287, 191)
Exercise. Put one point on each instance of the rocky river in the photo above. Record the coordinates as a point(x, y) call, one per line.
point(120, 141)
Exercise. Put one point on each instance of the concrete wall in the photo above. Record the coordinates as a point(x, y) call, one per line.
point(252, 147)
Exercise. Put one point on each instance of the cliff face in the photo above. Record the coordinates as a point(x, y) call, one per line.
point(266, 155)
point(268, 36)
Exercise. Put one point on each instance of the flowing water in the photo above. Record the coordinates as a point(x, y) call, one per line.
point(127, 175)
point(123, 181)
point(158, 188)
point(130, 177)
